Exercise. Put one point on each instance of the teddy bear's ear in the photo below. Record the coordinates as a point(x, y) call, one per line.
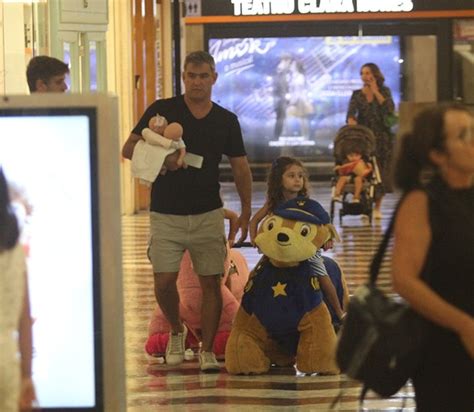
point(333, 232)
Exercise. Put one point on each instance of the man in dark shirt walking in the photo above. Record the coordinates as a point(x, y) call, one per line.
point(186, 209)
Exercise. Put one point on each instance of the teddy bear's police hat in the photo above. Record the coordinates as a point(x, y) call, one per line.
point(303, 209)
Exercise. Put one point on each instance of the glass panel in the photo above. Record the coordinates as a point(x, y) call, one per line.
point(464, 60)
point(67, 60)
point(93, 65)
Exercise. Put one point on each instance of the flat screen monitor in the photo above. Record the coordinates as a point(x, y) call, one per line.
point(291, 94)
point(49, 152)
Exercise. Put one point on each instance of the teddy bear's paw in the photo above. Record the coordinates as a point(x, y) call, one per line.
point(244, 356)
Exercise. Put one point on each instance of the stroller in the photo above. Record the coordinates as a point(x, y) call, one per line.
point(362, 138)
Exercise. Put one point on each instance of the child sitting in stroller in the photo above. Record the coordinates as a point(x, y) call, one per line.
point(355, 168)
point(357, 174)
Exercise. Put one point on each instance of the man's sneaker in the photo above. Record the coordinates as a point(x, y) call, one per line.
point(208, 362)
point(175, 348)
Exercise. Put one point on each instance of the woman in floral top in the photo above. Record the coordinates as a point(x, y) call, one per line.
point(370, 107)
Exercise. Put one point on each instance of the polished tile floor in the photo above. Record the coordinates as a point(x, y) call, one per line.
point(152, 386)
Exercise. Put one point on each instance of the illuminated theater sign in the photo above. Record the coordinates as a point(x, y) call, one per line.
point(283, 8)
point(265, 7)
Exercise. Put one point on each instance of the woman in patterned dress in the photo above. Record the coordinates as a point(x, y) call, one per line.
point(370, 107)
point(16, 387)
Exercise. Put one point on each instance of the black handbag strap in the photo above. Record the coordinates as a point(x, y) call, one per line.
point(378, 257)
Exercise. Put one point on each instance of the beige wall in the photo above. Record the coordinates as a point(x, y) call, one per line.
point(194, 37)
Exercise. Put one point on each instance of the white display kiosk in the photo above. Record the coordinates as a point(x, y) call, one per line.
point(60, 152)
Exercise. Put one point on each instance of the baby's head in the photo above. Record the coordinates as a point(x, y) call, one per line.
point(173, 131)
point(353, 156)
point(158, 124)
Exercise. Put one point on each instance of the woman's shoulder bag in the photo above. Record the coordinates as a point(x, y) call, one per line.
point(380, 341)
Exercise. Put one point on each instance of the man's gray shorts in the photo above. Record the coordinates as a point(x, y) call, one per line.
point(203, 235)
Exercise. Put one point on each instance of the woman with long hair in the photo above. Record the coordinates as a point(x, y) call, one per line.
point(371, 106)
point(433, 259)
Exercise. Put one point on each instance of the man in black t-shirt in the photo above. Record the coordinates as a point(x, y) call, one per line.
point(186, 209)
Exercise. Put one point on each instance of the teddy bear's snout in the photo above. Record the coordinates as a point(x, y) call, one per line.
point(283, 237)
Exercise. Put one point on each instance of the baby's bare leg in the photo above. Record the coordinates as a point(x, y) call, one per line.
point(358, 181)
point(341, 182)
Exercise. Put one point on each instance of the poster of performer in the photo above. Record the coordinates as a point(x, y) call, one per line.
point(291, 94)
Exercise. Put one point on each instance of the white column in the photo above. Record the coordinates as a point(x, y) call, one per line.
point(120, 82)
point(13, 54)
point(167, 48)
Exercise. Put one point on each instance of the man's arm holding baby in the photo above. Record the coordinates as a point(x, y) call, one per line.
point(171, 162)
point(129, 145)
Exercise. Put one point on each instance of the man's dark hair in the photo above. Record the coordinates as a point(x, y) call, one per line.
point(200, 57)
point(44, 68)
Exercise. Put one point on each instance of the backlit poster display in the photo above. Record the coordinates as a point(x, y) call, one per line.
point(48, 159)
point(291, 93)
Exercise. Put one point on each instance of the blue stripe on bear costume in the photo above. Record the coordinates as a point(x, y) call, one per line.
point(279, 298)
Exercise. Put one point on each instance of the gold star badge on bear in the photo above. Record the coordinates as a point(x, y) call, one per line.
point(279, 289)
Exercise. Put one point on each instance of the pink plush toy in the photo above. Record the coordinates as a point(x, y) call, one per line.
point(169, 136)
point(235, 277)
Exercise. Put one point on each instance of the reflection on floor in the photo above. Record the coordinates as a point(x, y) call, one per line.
point(152, 386)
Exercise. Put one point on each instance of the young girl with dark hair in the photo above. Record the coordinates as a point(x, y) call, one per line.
point(433, 255)
point(16, 387)
point(287, 180)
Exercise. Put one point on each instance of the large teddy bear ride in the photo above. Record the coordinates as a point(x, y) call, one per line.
point(235, 277)
point(283, 319)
